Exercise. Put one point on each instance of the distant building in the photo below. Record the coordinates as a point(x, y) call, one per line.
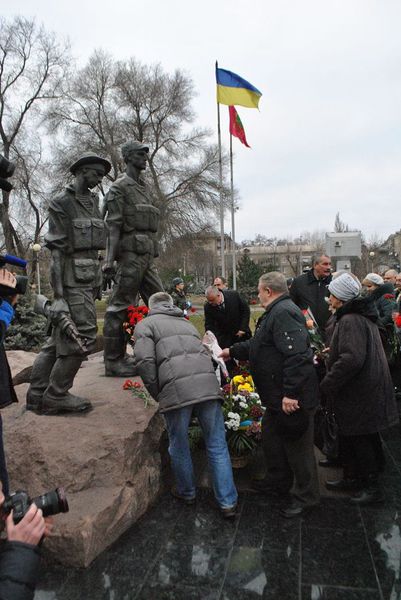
point(289, 259)
point(344, 249)
point(387, 256)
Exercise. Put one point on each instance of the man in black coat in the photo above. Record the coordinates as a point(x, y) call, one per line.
point(227, 316)
point(281, 363)
point(310, 290)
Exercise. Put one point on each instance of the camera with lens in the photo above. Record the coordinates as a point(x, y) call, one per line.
point(50, 503)
point(22, 280)
point(7, 169)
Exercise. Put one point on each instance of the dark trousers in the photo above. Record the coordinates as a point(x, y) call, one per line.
point(362, 455)
point(291, 464)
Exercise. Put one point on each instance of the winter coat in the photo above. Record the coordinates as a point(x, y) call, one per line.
point(225, 320)
point(308, 292)
point(358, 380)
point(7, 392)
point(384, 299)
point(171, 360)
point(281, 359)
point(19, 569)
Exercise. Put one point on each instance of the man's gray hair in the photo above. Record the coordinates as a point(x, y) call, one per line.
point(275, 281)
point(317, 257)
point(160, 298)
point(212, 290)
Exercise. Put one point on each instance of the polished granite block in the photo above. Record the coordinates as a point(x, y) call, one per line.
point(262, 525)
point(333, 513)
point(177, 592)
point(204, 523)
point(262, 573)
point(384, 536)
point(189, 565)
point(337, 558)
point(319, 592)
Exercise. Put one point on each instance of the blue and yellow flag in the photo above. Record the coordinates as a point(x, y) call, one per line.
point(233, 90)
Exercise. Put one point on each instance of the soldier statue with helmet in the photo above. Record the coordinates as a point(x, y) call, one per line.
point(132, 224)
point(76, 234)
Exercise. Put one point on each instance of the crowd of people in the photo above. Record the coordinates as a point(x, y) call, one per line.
point(356, 378)
point(356, 375)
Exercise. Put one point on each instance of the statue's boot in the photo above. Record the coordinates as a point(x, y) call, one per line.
point(117, 362)
point(40, 376)
point(57, 398)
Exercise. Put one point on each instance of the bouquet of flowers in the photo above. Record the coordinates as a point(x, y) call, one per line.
point(243, 414)
point(134, 314)
point(315, 337)
point(138, 390)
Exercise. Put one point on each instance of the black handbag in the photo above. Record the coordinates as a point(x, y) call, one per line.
point(326, 431)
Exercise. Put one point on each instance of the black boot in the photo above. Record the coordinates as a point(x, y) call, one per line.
point(57, 398)
point(344, 485)
point(117, 363)
point(372, 493)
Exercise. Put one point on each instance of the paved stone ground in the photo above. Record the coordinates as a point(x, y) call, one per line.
point(337, 552)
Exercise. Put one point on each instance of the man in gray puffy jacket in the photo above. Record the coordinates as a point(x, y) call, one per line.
point(178, 372)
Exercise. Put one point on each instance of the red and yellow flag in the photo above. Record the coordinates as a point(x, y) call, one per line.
point(236, 126)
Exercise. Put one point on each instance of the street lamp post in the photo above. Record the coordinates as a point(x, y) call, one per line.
point(37, 248)
point(372, 257)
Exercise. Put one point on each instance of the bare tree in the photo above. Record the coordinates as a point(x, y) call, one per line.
point(109, 102)
point(32, 67)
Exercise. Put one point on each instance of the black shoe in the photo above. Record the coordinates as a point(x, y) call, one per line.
point(296, 510)
point(228, 512)
point(184, 499)
point(329, 462)
point(260, 485)
point(368, 497)
point(344, 485)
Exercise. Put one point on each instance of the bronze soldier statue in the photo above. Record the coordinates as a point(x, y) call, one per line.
point(132, 224)
point(76, 234)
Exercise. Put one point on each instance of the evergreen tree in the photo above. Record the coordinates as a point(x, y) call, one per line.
point(248, 276)
point(28, 329)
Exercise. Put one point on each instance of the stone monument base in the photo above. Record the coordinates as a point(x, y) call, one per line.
point(108, 461)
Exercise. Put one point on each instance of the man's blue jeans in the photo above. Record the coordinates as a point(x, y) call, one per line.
point(210, 417)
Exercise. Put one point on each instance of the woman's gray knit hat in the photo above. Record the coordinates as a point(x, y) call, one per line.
point(374, 278)
point(345, 287)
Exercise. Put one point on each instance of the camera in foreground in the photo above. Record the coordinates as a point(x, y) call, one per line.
point(7, 169)
point(50, 503)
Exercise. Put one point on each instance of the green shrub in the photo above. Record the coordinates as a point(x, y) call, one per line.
point(27, 330)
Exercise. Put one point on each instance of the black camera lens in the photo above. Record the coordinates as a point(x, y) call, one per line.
point(7, 167)
point(52, 503)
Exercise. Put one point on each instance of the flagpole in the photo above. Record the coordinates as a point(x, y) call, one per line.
point(223, 265)
point(233, 214)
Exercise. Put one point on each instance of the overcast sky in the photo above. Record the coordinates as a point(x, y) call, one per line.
point(328, 134)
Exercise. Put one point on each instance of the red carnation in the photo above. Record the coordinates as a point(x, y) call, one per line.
point(256, 412)
point(389, 296)
point(128, 384)
point(398, 320)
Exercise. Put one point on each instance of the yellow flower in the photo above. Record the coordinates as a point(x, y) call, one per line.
point(246, 387)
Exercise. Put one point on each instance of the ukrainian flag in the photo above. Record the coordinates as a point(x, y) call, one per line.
point(233, 90)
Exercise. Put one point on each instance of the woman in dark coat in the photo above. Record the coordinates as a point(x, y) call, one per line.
point(359, 385)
